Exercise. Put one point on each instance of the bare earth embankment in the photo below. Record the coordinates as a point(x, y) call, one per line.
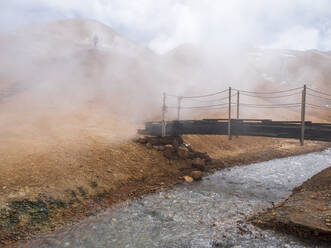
point(45, 190)
point(307, 212)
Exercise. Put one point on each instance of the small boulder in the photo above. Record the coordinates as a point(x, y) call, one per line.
point(169, 147)
point(141, 140)
point(203, 155)
point(156, 148)
point(168, 154)
point(199, 164)
point(149, 145)
point(188, 179)
point(177, 141)
point(189, 147)
point(183, 152)
point(155, 141)
point(197, 175)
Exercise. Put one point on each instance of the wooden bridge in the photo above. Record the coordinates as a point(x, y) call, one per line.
point(246, 127)
point(242, 127)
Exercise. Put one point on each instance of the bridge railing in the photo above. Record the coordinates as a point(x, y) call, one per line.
point(226, 100)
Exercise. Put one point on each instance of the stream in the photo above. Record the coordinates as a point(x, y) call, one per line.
point(210, 213)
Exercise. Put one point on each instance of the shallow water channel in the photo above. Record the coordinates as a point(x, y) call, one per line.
point(210, 213)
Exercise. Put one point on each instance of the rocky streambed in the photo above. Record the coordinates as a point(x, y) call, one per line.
point(211, 213)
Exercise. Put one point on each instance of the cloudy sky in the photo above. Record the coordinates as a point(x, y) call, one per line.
point(164, 24)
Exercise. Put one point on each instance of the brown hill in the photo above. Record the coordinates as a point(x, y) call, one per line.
point(53, 70)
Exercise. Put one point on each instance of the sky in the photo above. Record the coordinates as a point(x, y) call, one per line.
point(164, 24)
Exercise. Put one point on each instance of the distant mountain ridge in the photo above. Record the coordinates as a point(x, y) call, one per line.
point(57, 38)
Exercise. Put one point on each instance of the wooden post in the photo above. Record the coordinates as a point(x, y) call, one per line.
point(238, 104)
point(237, 107)
point(179, 101)
point(229, 121)
point(164, 109)
point(303, 113)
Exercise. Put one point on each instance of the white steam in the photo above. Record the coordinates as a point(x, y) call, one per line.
point(163, 25)
point(65, 77)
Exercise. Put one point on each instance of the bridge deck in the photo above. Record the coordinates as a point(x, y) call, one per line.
point(242, 127)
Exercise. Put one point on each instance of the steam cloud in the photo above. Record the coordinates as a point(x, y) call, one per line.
point(163, 25)
point(64, 83)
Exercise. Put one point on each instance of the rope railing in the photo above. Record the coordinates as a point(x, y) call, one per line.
point(199, 96)
point(319, 106)
point(213, 100)
point(252, 105)
point(285, 105)
point(319, 92)
point(320, 97)
point(208, 106)
point(268, 92)
point(204, 106)
point(209, 109)
point(266, 97)
point(202, 96)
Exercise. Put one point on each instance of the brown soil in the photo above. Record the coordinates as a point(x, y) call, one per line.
point(244, 150)
point(45, 190)
point(307, 212)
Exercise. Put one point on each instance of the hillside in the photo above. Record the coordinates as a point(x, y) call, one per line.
point(252, 68)
point(61, 75)
point(209, 69)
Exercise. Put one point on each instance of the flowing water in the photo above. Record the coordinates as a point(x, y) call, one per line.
point(210, 213)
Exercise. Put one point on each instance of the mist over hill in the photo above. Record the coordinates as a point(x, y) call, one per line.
point(74, 92)
point(59, 66)
point(251, 68)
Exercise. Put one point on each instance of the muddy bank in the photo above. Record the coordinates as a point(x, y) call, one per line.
point(105, 175)
point(306, 213)
point(210, 213)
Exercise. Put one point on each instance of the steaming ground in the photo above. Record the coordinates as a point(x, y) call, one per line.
point(68, 110)
point(59, 94)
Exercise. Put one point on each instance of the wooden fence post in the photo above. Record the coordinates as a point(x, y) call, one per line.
point(238, 104)
point(237, 107)
point(164, 109)
point(179, 101)
point(303, 113)
point(229, 120)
